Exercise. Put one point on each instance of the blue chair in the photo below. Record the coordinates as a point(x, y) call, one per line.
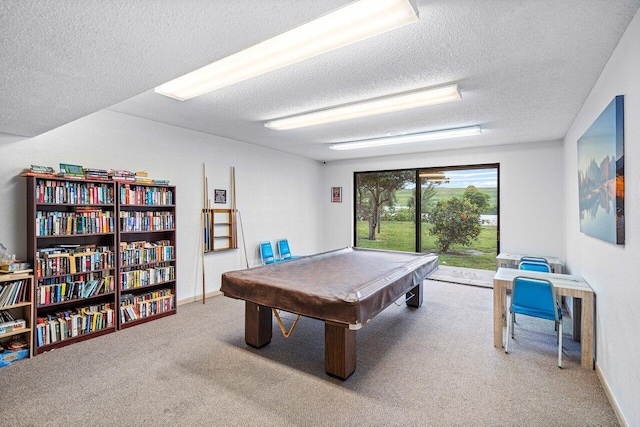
point(266, 254)
point(534, 259)
point(284, 250)
point(534, 266)
point(535, 298)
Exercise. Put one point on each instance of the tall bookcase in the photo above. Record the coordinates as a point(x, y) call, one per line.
point(147, 253)
point(72, 246)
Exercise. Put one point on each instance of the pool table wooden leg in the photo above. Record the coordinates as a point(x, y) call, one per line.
point(339, 350)
point(257, 324)
point(416, 299)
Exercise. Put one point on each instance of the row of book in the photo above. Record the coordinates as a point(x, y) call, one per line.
point(145, 195)
point(62, 264)
point(14, 292)
point(73, 290)
point(151, 276)
point(68, 324)
point(71, 249)
point(81, 277)
point(134, 253)
point(69, 192)
point(71, 223)
point(134, 307)
point(146, 221)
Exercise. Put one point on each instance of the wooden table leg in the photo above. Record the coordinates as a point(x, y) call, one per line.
point(257, 324)
point(577, 318)
point(416, 300)
point(499, 302)
point(587, 331)
point(339, 350)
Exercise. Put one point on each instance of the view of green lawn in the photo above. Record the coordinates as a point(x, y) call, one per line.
point(403, 196)
point(400, 236)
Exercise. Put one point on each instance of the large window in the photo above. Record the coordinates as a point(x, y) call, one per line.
point(386, 210)
point(451, 211)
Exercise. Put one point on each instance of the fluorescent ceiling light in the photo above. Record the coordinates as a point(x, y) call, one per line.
point(371, 107)
point(349, 24)
point(404, 139)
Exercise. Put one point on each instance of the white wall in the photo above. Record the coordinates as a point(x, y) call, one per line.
point(278, 194)
point(611, 269)
point(531, 196)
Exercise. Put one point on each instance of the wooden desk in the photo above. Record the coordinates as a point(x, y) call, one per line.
point(565, 284)
point(508, 260)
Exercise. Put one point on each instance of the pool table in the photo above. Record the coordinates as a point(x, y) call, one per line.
point(345, 288)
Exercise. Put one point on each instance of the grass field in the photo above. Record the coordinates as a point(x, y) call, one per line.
point(400, 236)
point(403, 196)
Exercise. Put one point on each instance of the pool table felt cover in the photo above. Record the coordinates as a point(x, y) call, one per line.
point(349, 285)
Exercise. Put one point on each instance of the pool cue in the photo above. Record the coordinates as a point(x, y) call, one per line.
point(234, 210)
point(244, 245)
point(202, 231)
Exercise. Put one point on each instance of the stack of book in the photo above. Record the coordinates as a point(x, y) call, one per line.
point(143, 178)
point(122, 175)
point(15, 267)
point(41, 171)
point(99, 174)
point(8, 323)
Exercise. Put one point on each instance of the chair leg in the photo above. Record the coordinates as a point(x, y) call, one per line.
point(509, 326)
point(513, 325)
point(560, 344)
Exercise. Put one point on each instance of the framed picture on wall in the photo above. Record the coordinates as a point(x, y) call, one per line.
point(220, 196)
point(601, 175)
point(336, 194)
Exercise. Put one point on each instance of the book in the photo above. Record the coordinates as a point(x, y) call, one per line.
point(67, 170)
point(15, 267)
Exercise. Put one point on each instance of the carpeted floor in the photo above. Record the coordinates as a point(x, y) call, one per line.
point(431, 366)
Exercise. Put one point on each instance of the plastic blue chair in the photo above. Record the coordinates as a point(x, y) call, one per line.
point(534, 266)
point(535, 298)
point(534, 259)
point(266, 254)
point(284, 250)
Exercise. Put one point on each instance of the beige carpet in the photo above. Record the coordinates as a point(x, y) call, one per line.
point(432, 366)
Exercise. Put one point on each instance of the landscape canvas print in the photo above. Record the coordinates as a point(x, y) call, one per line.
point(601, 175)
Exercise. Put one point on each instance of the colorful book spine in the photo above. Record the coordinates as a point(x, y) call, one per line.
point(151, 276)
point(69, 192)
point(67, 290)
point(73, 223)
point(145, 195)
point(69, 324)
point(146, 221)
point(136, 253)
point(134, 307)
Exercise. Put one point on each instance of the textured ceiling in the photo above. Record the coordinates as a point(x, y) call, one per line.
point(524, 68)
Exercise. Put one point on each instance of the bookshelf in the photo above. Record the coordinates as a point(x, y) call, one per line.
point(16, 302)
point(71, 245)
point(147, 253)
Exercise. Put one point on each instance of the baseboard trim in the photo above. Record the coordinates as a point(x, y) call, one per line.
point(199, 297)
point(612, 400)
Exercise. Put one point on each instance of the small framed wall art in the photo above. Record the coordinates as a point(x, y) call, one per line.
point(220, 196)
point(336, 194)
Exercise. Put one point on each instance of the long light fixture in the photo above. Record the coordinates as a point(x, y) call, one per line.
point(405, 139)
point(349, 24)
point(371, 107)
